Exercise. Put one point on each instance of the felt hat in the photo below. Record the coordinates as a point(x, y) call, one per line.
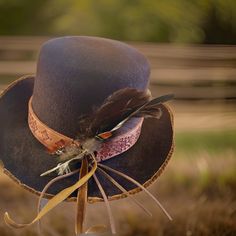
point(75, 75)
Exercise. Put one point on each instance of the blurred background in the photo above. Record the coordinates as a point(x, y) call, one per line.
point(192, 51)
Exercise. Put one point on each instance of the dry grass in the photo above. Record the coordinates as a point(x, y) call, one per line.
point(198, 190)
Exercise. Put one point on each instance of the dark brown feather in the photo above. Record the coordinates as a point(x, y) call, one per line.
point(118, 108)
point(114, 109)
point(149, 109)
point(152, 108)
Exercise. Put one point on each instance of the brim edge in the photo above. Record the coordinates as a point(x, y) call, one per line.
point(92, 200)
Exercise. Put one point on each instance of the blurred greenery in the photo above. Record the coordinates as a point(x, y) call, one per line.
point(214, 142)
point(181, 21)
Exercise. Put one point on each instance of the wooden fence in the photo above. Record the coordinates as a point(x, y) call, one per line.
point(191, 72)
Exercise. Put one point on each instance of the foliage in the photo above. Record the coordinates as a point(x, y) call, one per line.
point(196, 21)
point(215, 142)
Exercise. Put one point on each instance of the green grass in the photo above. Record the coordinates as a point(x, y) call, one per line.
point(7, 79)
point(214, 142)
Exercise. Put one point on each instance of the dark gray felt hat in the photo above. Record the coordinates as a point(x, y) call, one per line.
point(74, 75)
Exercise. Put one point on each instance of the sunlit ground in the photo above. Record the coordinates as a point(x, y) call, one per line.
point(198, 188)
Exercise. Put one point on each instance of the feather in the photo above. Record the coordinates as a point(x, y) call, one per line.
point(117, 109)
point(149, 109)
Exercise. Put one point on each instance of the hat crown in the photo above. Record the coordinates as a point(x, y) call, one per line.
point(75, 75)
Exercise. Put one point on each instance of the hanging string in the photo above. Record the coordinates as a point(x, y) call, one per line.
point(124, 191)
point(139, 185)
point(57, 199)
point(111, 219)
point(47, 186)
point(82, 187)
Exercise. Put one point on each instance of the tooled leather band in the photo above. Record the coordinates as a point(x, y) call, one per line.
point(52, 139)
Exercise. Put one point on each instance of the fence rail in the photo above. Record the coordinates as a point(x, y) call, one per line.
point(190, 71)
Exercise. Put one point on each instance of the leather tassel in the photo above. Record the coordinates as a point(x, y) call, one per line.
point(47, 186)
point(57, 199)
point(81, 199)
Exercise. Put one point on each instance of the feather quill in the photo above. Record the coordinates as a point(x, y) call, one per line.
point(119, 108)
point(115, 108)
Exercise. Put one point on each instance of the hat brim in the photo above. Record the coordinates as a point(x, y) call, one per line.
point(24, 158)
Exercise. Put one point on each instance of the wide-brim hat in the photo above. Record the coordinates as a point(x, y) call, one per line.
point(74, 75)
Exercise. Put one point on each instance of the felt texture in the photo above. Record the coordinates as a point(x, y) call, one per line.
point(75, 75)
point(26, 158)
